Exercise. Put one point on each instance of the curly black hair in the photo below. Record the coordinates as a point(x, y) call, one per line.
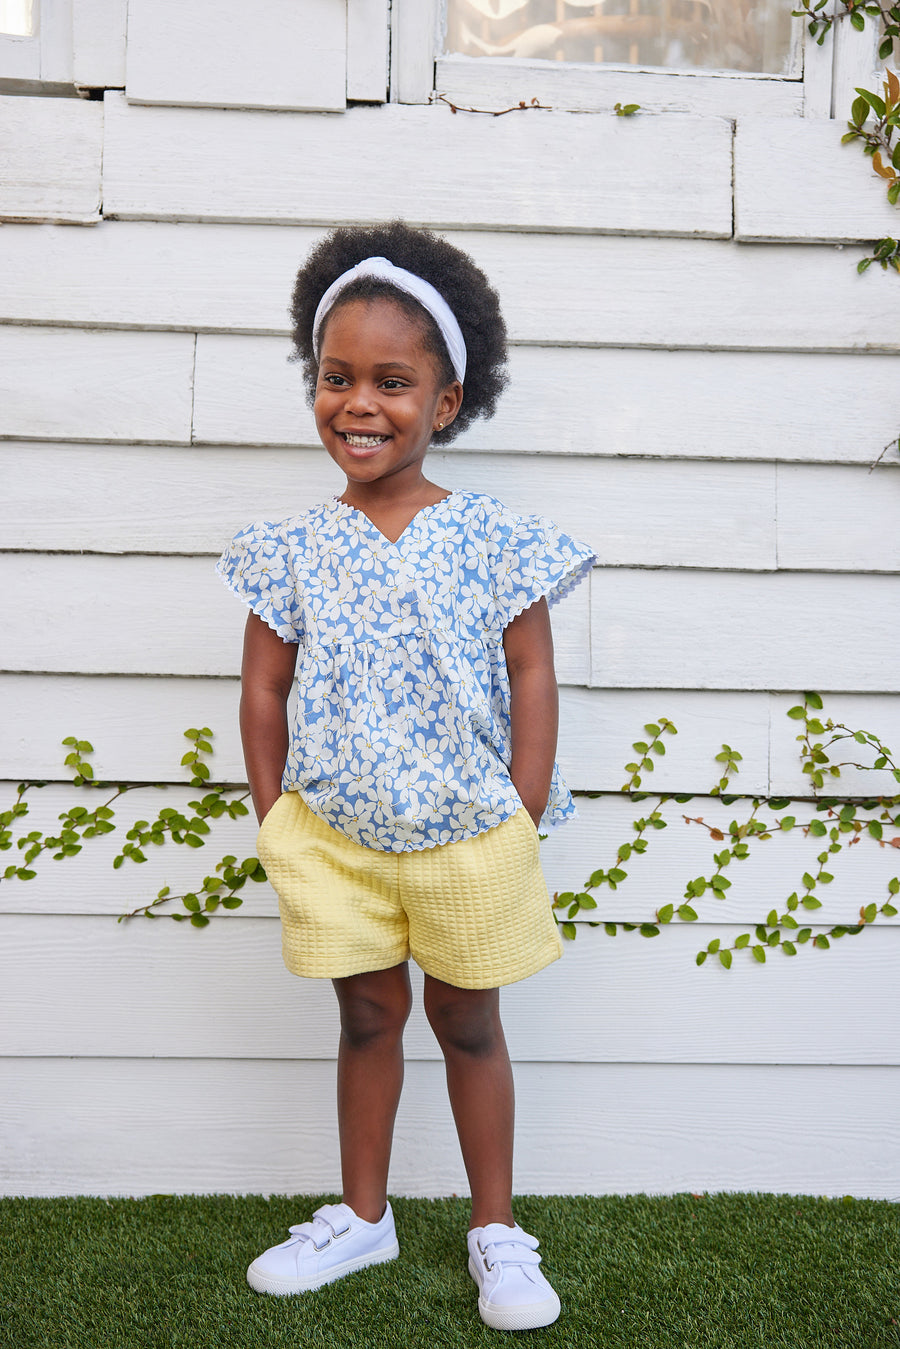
point(451, 271)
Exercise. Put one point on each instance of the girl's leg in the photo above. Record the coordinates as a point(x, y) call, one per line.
point(374, 1008)
point(466, 1022)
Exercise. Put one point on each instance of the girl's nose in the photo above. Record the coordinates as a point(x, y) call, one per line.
point(361, 399)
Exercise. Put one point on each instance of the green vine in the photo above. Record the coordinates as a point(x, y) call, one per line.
point(877, 137)
point(80, 824)
point(860, 818)
point(839, 822)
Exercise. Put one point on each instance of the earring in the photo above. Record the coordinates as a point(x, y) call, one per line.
point(440, 426)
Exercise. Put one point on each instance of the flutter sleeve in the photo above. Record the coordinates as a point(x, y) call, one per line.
point(257, 566)
point(534, 559)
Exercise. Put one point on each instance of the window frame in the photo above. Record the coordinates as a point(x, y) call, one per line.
point(41, 63)
point(827, 75)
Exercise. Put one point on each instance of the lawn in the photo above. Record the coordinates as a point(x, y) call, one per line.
point(722, 1270)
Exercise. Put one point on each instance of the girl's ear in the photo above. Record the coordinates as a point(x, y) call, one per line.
point(449, 404)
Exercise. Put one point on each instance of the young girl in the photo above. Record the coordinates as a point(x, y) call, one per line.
point(400, 811)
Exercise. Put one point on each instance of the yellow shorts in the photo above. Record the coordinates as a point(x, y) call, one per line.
point(475, 913)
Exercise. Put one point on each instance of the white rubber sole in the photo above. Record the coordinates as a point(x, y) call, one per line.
point(262, 1282)
point(530, 1316)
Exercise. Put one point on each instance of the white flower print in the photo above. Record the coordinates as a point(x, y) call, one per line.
point(401, 737)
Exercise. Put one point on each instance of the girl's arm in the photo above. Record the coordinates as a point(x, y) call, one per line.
point(534, 706)
point(267, 674)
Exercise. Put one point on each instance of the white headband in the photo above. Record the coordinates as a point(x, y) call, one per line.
point(418, 287)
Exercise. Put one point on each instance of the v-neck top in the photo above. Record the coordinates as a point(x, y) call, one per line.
point(401, 733)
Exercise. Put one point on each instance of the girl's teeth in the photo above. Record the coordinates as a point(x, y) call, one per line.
point(364, 442)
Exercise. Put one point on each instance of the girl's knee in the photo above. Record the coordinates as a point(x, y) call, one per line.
point(465, 1021)
point(373, 1006)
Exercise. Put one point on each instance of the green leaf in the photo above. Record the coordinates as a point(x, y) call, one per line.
point(568, 930)
point(725, 959)
point(772, 919)
point(788, 948)
point(191, 903)
point(893, 193)
point(889, 911)
point(857, 20)
point(804, 934)
point(742, 941)
point(869, 913)
point(586, 901)
point(894, 885)
point(233, 902)
point(649, 930)
point(810, 903)
point(875, 829)
point(809, 881)
point(617, 874)
point(686, 913)
point(664, 915)
point(817, 828)
point(798, 713)
point(822, 941)
point(814, 700)
point(701, 956)
point(199, 920)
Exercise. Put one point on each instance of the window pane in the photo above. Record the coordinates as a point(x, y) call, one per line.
point(16, 18)
point(752, 35)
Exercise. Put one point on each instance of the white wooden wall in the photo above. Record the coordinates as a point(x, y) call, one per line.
point(700, 381)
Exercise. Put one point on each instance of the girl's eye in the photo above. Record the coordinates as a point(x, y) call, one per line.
point(393, 383)
point(335, 379)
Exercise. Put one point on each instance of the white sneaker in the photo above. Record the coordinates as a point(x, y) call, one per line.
point(335, 1243)
point(513, 1293)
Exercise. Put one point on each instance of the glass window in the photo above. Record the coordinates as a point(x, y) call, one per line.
point(747, 35)
point(17, 18)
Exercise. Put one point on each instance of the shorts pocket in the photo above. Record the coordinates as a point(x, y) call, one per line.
point(267, 818)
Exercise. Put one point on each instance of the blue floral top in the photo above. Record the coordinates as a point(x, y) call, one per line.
point(401, 737)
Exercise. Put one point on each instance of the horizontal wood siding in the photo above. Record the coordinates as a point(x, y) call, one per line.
point(706, 294)
point(88, 986)
point(52, 151)
point(135, 724)
point(266, 167)
point(219, 53)
point(675, 854)
point(701, 405)
point(626, 1127)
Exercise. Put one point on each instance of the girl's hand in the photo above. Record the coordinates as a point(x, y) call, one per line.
point(534, 705)
point(267, 675)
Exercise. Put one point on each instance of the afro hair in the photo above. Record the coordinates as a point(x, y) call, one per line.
point(451, 271)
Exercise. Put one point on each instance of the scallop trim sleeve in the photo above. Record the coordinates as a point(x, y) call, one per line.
point(256, 565)
point(535, 560)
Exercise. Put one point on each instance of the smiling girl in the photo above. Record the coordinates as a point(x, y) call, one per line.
point(400, 809)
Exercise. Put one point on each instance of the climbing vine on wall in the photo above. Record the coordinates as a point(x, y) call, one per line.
point(837, 822)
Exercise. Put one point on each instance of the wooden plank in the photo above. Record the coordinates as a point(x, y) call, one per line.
point(797, 181)
point(631, 511)
point(157, 165)
point(216, 53)
point(135, 725)
point(414, 29)
point(746, 405)
point(658, 293)
point(98, 43)
point(57, 383)
point(855, 516)
point(682, 629)
point(196, 622)
point(86, 986)
point(498, 82)
point(856, 65)
point(817, 74)
point(682, 851)
point(82, 1127)
point(368, 32)
point(52, 151)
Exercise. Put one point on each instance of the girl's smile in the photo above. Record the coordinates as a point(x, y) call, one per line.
point(379, 395)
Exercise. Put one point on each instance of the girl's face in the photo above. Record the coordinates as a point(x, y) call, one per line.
point(379, 395)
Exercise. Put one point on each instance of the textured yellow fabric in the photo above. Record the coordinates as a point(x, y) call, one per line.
point(475, 913)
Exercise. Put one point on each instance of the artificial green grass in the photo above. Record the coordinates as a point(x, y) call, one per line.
point(728, 1271)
